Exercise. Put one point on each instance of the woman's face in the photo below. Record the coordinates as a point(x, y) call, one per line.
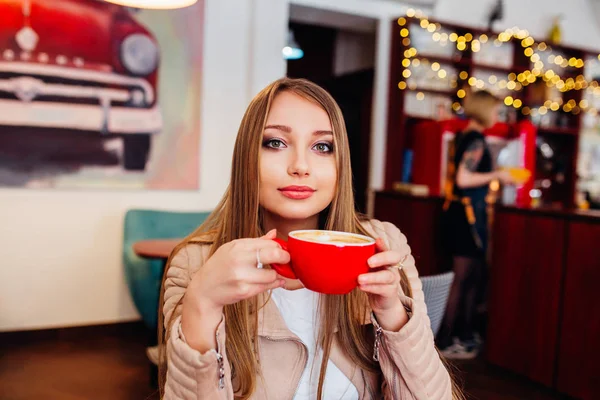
point(298, 174)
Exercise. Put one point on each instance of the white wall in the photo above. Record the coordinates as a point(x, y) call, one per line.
point(579, 27)
point(60, 251)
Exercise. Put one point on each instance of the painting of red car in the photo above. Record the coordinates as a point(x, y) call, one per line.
point(84, 66)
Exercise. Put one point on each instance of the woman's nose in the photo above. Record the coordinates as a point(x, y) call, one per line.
point(299, 164)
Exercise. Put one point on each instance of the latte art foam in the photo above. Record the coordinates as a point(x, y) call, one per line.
point(331, 237)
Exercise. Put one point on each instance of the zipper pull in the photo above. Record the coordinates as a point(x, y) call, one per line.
point(378, 333)
point(220, 363)
point(221, 371)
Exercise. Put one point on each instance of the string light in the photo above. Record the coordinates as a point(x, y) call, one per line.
point(515, 82)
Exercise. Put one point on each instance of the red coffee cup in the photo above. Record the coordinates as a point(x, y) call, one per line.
point(326, 261)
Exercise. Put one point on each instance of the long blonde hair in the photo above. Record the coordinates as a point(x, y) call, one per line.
point(239, 215)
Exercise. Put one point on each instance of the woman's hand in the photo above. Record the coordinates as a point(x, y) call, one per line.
point(231, 274)
point(228, 276)
point(505, 177)
point(383, 288)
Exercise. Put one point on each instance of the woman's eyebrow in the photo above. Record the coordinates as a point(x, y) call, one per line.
point(283, 128)
point(287, 129)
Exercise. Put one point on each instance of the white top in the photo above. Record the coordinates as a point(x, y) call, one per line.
point(299, 309)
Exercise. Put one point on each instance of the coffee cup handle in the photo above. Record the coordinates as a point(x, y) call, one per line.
point(284, 269)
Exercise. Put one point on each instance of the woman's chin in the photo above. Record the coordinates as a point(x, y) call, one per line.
point(297, 211)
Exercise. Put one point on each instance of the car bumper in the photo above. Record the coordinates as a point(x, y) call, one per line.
point(113, 120)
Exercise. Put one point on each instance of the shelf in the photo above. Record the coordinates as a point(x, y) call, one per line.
point(558, 131)
point(470, 63)
point(443, 59)
point(432, 91)
point(516, 69)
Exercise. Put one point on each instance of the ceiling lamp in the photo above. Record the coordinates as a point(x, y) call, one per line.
point(292, 50)
point(154, 4)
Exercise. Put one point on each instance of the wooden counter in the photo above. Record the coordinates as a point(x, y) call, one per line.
point(544, 307)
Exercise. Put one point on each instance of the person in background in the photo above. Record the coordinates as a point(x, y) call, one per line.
point(231, 329)
point(465, 223)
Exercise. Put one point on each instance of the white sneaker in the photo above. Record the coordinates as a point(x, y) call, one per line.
point(459, 352)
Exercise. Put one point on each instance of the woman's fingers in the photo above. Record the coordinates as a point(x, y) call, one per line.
point(384, 259)
point(259, 276)
point(269, 286)
point(273, 255)
point(385, 277)
point(268, 255)
point(381, 290)
point(272, 234)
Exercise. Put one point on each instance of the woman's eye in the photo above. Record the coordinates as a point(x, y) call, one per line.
point(274, 144)
point(323, 147)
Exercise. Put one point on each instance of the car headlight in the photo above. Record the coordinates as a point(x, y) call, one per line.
point(139, 54)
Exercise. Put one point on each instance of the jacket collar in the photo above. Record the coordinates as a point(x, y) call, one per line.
point(271, 322)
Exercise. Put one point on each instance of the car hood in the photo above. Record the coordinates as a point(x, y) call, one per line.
point(71, 28)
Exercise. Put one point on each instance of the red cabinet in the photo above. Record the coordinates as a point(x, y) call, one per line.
point(525, 289)
point(579, 352)
point(544, 307)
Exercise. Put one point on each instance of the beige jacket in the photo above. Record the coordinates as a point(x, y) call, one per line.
point(410, 365)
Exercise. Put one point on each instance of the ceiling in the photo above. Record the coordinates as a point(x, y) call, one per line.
point(332, 19)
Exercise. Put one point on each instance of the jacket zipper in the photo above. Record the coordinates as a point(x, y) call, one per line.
point(377, 347)
point(305, 355)
point(221, 365)
point(378, 333)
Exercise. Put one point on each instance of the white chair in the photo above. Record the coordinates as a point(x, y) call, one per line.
point(436, 289)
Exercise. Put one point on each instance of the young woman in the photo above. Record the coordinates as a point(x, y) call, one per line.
point(466, 223)
point(232, 330)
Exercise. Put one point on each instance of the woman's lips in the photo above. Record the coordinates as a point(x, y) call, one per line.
point(297, 192)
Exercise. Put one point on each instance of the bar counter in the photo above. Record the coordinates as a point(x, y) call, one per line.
point(544, 306)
